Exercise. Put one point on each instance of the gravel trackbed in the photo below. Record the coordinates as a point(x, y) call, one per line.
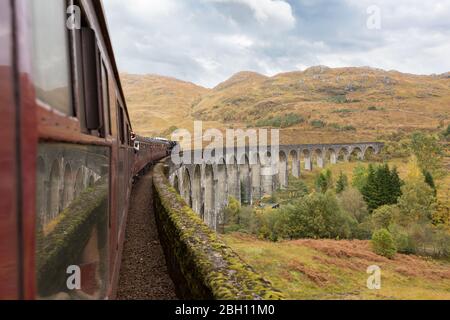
point(143, 274)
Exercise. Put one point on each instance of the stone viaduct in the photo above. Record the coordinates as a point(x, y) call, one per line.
point(208, 178)
point(63, 174)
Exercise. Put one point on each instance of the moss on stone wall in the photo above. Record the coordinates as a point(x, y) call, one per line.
point(64, 245)
point(202, 265)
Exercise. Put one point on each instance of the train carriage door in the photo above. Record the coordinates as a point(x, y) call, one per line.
point(72, 186)
point(122, 149)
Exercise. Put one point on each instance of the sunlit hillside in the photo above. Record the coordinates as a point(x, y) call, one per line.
point(157, 103)
point(319, 104)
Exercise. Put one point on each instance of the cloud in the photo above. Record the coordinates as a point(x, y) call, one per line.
point(206, 41)
point(276, 13)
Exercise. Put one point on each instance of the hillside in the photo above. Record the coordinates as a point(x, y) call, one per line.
point(157, 103)
point(332, 269)
point(319, 104)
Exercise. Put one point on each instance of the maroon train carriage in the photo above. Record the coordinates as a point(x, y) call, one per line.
point(67, 153)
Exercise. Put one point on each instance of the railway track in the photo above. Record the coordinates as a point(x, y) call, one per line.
point(143, 273)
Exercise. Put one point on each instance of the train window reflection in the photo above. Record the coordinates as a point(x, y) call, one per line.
point(51, 66)
point(72, 221)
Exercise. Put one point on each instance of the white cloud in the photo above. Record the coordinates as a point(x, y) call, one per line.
point(238, 40)
point(206, 41)
point(276, 13)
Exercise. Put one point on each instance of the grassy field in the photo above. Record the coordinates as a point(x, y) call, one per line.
point(331, 269)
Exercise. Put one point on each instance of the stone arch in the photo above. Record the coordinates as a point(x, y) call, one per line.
point(233, 178)
point(79, 183)
point(197, 190)
point(54, 192)
point(221, 197)
point(307, 159)
point(40, 192)
point(91, 181)
point(283, 170)
point(318, 156)
point(294, 163)
point(343, 154)
point(186, 191)
point(244, 180)
point(331, 156)
point(176, 184)
point(68, 187)
point(209, 198)
point(369, 153)
point(267, 174)
point(356, 154)
point(256, 176)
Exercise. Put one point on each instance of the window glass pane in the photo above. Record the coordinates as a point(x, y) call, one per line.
point(51, 71)
point(105, 95)
point(72, 221)
point(121, 124)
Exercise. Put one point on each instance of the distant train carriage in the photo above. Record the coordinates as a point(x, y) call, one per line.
point(68, 152)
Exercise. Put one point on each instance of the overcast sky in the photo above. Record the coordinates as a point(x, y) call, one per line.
point(207, 41)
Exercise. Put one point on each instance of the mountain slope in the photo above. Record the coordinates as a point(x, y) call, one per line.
point(359, 103)
point(157, 103)
point(319, 104)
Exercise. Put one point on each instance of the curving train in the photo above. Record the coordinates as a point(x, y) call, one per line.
point(68, 154)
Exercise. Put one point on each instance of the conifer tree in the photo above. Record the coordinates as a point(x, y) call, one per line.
point(430, 181)
point(359, 177)
point(383, 187)
point(396, 186)
point(369, 189)
point(342, 183)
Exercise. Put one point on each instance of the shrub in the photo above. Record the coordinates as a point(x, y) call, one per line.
point(430, 181)
point(403, 240)
point(284, 121)
point(430, 240)
point(231, 211)
point(343, 111)
point(383, 217)
point(417, 203)
point(318, 124)
point(363, 231)
point(348, 128)
point(446, 133)
point(342, 183)
point(317, 215)
point(428, 151)
point(324, 181)
point(383, 243)
point(360, 174)
point(441, 242)
point(270, 223)
point(342, 98)
point(352, 201)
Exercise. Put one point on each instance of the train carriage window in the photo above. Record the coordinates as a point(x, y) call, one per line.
point(121, 124)
point(50, 54)
point(130, 143)
point(72, 220)
point(91, 82)
point(90, 62)
point(105, 99)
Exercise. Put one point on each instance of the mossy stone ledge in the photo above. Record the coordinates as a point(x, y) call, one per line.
point(202, 266)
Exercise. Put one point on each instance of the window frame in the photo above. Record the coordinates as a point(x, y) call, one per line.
point(69, 44)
